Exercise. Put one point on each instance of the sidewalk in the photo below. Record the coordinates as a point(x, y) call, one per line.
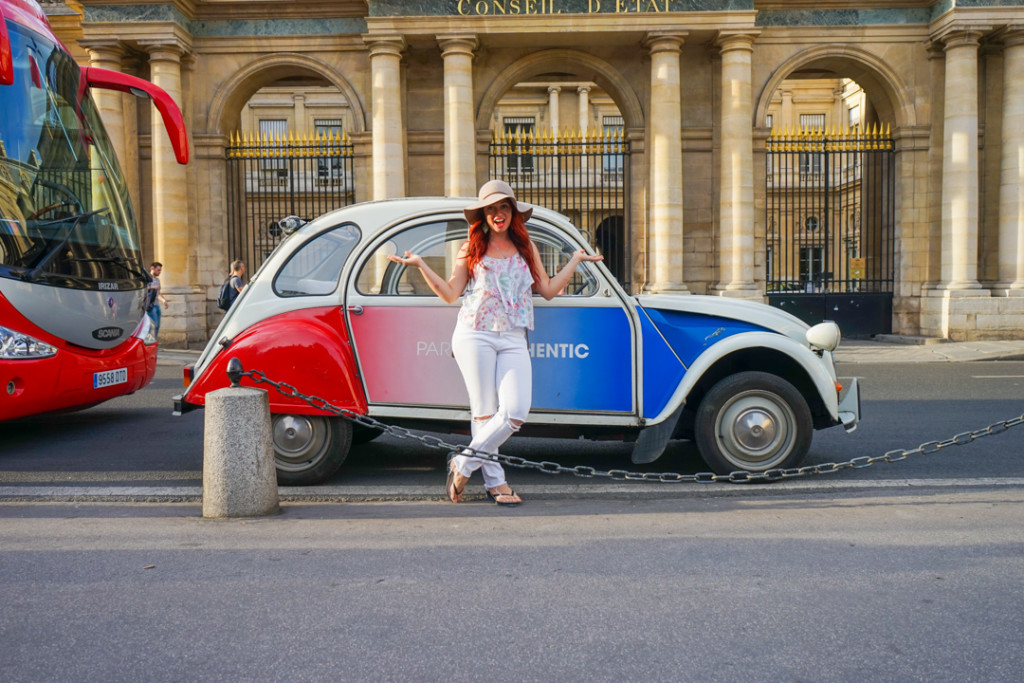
point(882, 349)
point(899, 349)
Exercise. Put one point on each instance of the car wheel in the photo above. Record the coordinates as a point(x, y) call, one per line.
point(753, 421)
point(309, 449)
point(364, 434)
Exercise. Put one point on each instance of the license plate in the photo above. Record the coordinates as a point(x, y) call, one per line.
point(109, 378)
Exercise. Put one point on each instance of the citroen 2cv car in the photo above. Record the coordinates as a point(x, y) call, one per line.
point(329, 314)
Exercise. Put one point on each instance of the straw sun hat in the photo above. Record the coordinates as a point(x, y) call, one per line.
point(491, 192)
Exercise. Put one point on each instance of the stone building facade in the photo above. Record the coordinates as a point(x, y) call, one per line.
point(423, 83)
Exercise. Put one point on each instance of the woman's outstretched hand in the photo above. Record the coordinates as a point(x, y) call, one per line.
point(414, 260)
point(584, 256)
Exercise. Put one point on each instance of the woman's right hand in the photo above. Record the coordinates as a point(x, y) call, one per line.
point(413, 260)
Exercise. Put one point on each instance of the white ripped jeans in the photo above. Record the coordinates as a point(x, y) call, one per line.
point(499, 379)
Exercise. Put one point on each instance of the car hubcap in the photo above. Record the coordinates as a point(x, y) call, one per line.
point(299, 440)
point(756, 430)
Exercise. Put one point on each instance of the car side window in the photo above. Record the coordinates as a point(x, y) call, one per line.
point(439, 243)
point(555, 252)
point(314, 268)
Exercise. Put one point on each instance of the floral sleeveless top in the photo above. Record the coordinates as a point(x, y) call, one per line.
point(499, 297)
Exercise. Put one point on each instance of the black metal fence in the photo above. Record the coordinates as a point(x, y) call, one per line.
point(830, 215)
point(273, 177)
point(583, 175)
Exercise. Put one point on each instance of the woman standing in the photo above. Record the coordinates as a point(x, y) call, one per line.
point(502, 267)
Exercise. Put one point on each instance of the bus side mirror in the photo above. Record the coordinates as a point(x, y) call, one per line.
point(6, 56)
point(105, 79)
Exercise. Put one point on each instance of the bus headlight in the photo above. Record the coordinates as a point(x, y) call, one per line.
point(17, 346)
point(824, 336)
point(146, 331)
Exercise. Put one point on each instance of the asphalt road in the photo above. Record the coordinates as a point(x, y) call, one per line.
point(134, 441)
point(902, 572)
point(915, 587)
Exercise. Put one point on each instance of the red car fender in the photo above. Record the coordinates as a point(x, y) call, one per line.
point(308, 349)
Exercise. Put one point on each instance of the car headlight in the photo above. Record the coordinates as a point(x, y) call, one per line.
point(17, 346)
point(824, 336)
point(146, 331)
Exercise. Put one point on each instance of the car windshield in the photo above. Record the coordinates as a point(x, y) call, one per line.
point(65, 216)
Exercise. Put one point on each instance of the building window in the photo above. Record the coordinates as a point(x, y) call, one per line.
point(812, 163)
point(328, 170)
point(613, 127)
point(812, 122)
point(811, 261)
point(769, 120)
point(272, 130)
point(811, 223)
point(518, 161)
point(853, 116)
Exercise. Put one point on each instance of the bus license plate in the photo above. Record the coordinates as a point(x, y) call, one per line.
point(109, 378)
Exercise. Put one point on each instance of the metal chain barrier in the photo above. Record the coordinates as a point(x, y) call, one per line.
point(740, 476)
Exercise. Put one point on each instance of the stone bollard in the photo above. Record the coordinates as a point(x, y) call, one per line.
point(239, 477)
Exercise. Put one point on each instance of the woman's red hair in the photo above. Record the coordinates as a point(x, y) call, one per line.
point(480, 237)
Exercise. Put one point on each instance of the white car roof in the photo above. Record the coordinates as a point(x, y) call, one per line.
point(373, 217)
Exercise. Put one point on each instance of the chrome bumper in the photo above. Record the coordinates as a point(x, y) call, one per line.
point(849, 405)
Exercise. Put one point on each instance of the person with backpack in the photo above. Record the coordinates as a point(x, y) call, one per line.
point(232, 286)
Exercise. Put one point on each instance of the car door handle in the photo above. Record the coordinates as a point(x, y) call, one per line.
point(354, 310)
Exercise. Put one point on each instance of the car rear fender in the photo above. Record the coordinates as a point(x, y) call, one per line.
point(816, 374)
point(308, 349)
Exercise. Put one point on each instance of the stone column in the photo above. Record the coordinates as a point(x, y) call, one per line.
point(553, 93)
point(115, 108)
point(299, 107)
point(108, 55)
point(736, 203)
point(170, 195)
point(787, 110)
point(388, 146)
point(666, 165)
point(960, 163)
point(1011, 174)
point(459, 122)
point(584, 110)
point(172, 235)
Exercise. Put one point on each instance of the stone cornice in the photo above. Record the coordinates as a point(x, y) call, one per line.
point(489, 28)
point(137, 33)
point(211, 10)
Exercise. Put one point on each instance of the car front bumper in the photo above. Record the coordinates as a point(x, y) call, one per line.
point(849, 405)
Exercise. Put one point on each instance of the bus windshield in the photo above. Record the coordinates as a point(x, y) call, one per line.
point(65, 215)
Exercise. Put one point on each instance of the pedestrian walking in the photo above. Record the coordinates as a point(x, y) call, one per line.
point(502, 268)
point(232, 286)
point(154, 297)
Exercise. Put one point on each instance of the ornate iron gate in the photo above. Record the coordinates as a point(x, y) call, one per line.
point(273, 177)
point(830, 210)
point(582, 175)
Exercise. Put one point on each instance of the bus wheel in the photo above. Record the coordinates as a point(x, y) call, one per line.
point(309, 449)
point(753, 421)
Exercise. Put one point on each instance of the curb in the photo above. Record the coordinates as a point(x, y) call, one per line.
point(434, 494)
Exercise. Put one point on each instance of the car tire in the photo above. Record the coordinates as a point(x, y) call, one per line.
point(753, 421)
point(309, 449)
point(362, 434)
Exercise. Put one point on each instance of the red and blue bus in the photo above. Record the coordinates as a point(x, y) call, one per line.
point(73, 326)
